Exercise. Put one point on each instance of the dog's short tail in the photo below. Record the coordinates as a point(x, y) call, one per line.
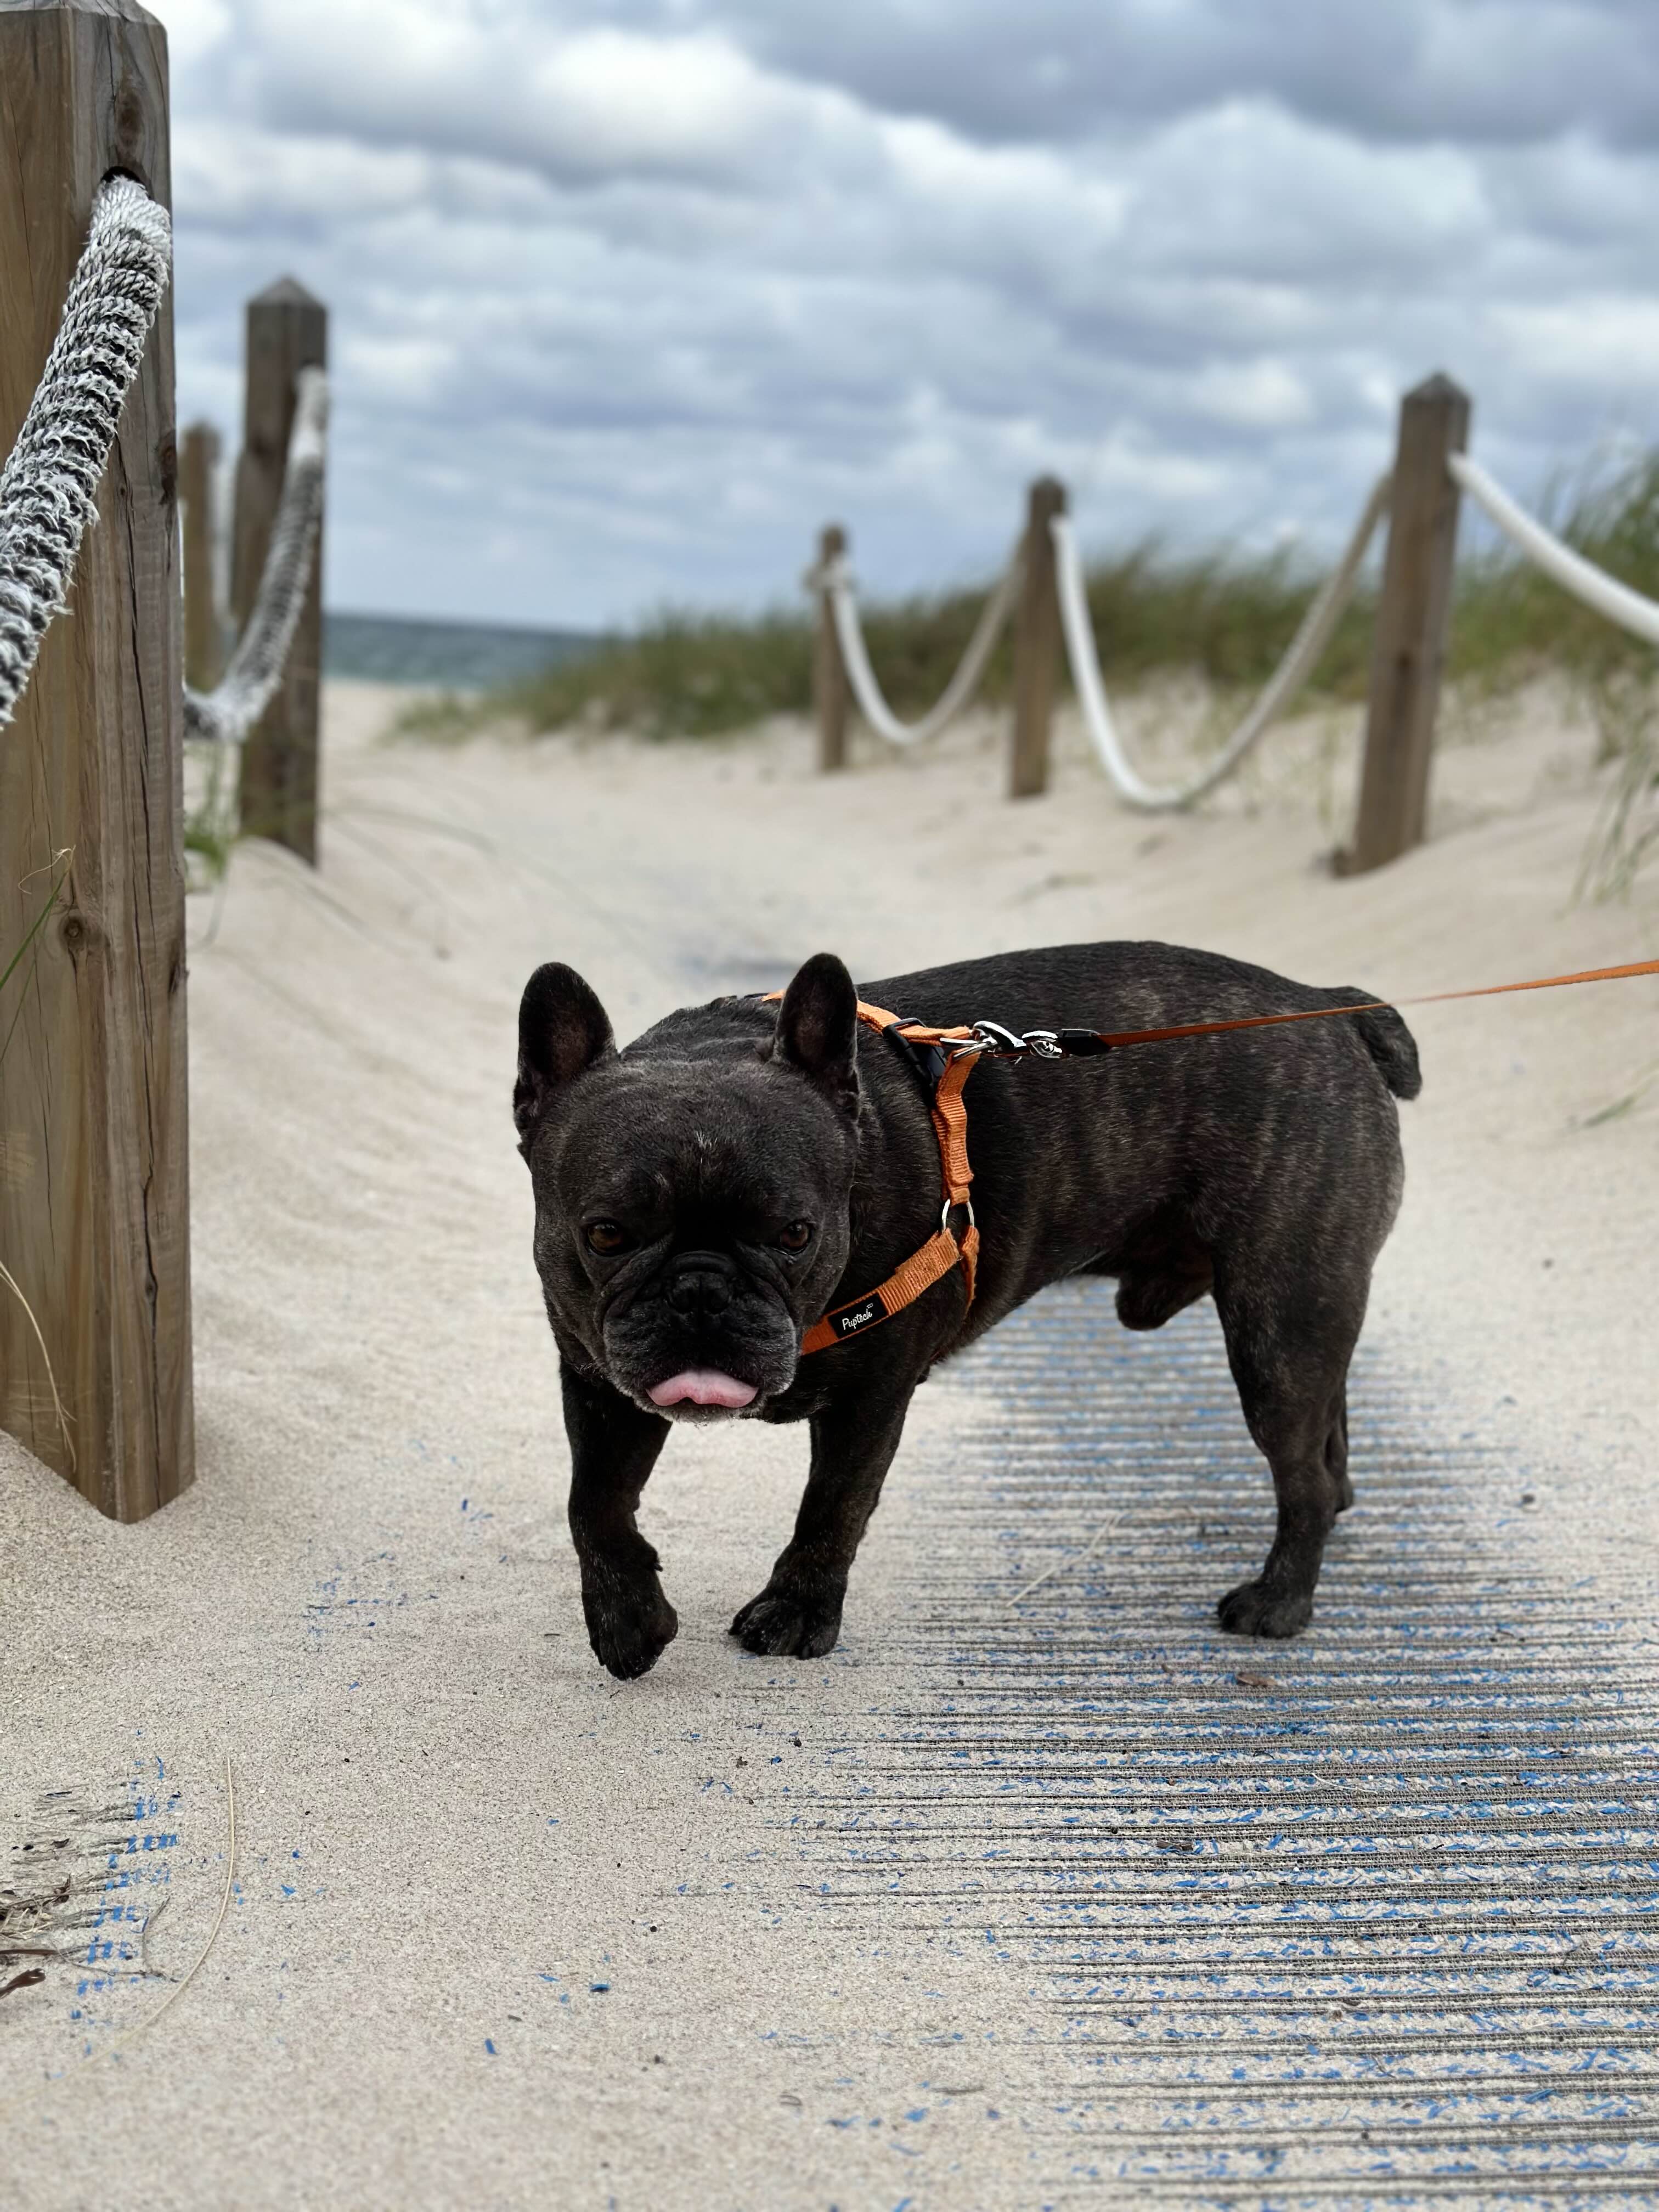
point(1393, 1046)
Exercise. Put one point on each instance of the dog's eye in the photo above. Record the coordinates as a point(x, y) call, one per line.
point(797, 1237)
point(606, 1238)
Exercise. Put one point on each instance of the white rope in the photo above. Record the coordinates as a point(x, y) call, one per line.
point(49, 487)
point(1301, 656)
point(229, 711)
point(1629, 609)
point(837, 579)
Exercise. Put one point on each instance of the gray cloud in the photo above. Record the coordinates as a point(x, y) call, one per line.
point(628, 300)
point(1499, 70)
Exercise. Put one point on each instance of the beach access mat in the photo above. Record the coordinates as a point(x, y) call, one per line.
point(1369, 1918)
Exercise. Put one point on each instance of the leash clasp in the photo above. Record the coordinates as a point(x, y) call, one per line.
point(1009, 1044)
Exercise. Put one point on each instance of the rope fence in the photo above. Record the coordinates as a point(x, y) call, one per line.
point(94, 1211)
point(229, 711)
point(96, 1328)
point(1420, 496)
point(834, 578)
point(1605, 594)
point(49, 486)
point(1301, 657)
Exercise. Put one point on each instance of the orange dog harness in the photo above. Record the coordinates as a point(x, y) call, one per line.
point(971, 1041)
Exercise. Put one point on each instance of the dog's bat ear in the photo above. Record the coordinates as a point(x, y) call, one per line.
point(562, 1029)
point(819, 1029)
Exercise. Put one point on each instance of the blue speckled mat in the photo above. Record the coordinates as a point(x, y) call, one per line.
point(1372, 1918)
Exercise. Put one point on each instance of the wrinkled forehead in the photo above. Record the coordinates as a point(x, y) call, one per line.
point(680, 1132)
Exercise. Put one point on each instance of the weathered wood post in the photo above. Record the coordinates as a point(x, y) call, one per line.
point(1036, 643)
point(1409, 645)
point(830, 687)
point(286, 331)
point(198, 462)
point(93, 1161)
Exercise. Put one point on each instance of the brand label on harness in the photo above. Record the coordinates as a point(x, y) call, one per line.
point(849, 1324)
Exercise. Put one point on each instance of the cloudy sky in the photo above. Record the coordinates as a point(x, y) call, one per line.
point(628, 296)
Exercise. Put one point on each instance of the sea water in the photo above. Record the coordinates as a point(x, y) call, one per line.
point(456, 656)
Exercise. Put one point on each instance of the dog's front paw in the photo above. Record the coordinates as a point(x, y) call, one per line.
point(786, 1623)
point(630, 1626)
point(1253, 1609)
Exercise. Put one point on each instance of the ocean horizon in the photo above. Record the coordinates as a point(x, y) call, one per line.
point(452, 656)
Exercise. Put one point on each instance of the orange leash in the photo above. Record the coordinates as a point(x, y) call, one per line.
point(1111, 1040)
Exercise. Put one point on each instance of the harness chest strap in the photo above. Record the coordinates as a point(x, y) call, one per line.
point(945, 1250)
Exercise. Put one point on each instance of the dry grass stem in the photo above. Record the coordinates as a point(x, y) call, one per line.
point(199, 1962)
point(1088, 1551)
point(12, 1283)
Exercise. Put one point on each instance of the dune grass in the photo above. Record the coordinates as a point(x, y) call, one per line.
point(682, 674)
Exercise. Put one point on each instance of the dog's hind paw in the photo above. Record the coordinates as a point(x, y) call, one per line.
point(1253, 1609)
point(787, 1624)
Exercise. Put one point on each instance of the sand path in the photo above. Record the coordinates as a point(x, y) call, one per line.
point(505, 1932)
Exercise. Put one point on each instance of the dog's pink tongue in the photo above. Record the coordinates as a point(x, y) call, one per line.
point(702, 1386)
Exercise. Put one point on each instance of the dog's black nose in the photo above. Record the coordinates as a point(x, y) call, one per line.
point(701, 1285)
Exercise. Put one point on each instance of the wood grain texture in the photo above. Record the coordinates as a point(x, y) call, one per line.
point(1408, 648)
point(1037, 644)
point(286, 331)
point(830, 696)
point(198, 462)
point(93, 1137)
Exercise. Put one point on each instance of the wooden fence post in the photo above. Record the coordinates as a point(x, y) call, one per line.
point(94, 1156)
point(198, 461)
point(829, 688)
point(1409, 645)
point(286, 331)
point(1036, 643)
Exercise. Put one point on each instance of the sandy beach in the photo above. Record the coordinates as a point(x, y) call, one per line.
point(501, 1931)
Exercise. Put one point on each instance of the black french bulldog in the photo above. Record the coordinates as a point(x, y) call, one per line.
point(706, 1195)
